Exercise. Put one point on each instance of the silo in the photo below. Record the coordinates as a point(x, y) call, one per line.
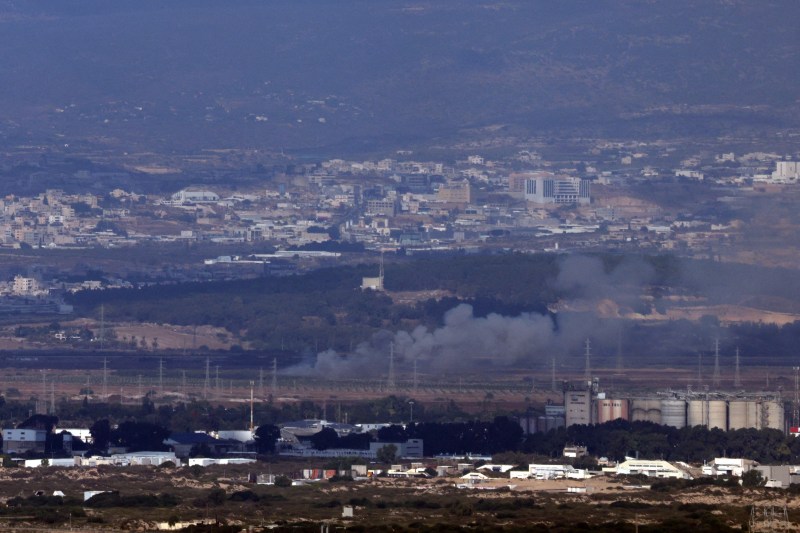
point(621, 409)
point(774, 415)
point(646, 411)
point(754, 418)
point(697, 413)
point(737, 415)
point(673, 413)
point(611, 409)
point(718, 414)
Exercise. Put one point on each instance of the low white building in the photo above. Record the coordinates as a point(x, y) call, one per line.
point(130, 459)
point(496, 468)
point(725, 466)
point(475, 476)
point(36, 463)
point(195, 197)
point(549, 471)
point(208, 461)
point(658, 469)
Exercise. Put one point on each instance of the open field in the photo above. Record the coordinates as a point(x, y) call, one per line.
point(224, 494)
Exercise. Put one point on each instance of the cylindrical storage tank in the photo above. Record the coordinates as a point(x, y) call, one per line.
point(611, 409)
point(604, 411)
point(673, 413)
point(737, 415)
point(697, 413)
point(718, 414)
point(646, 411)
point(775, 415)
point(753, 414)
point(621, 409)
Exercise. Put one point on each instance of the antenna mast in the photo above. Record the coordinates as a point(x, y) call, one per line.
point(587, 367)
point(737, 376)
point(716, 377)
point(252, 426)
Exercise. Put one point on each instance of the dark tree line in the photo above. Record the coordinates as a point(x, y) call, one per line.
point(621, 438)
point(479, 437)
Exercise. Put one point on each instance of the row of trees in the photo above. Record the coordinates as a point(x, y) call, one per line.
point(621, 438)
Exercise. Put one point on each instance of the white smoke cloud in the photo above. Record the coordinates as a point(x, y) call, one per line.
point(460, 343)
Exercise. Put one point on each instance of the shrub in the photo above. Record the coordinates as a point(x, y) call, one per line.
point(283, 481)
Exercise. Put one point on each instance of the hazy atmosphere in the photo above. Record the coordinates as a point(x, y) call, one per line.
point(399, 266)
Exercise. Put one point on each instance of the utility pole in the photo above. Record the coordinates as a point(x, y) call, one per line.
point(796, 405)
point(715, 380)
point(252, 404)
point(102, 325)
point(553, 384)
point(105, 377)
point(415, 382)
point(390, 382)
point(274, 376)
point(737, 376)
point(161, 376)
point(207, 382)
point(699, 369)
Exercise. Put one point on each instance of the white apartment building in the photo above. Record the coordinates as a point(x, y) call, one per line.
point(786, 172)
point(557, 190)
point(24, 285)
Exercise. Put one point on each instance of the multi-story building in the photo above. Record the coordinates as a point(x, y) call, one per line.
point(24, 440)
point(557, 190)
point(786, 171)
point(455, 192)
point(578, 407)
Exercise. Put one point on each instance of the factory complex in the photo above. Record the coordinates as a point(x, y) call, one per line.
point(585, 404)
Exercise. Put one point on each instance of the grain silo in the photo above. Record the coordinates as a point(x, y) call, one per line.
point(611, 409)
point(773, 415)
point(646, 410)
point(743, 414)
point(718, 414)
point(697, 413)
point(673, 413)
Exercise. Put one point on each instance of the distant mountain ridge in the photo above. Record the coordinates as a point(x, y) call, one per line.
point(311, 74)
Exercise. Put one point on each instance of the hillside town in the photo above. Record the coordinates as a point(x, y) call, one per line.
point(311, 213)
